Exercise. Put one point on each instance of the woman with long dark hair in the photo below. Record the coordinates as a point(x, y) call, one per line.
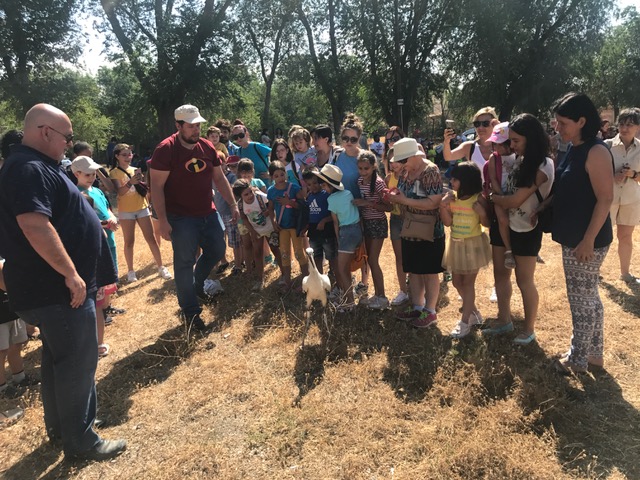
point(582, 225)
point(534, 170)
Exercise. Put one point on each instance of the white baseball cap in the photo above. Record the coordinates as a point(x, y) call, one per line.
point(188, 114)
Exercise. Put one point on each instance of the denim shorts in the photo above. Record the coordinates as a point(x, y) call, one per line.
point(143, 212)
point(350, 237)
point(395, 226)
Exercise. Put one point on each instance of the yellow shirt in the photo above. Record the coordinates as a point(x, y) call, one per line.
point(466, 222)
point(131, 201)
point(393, 183)
point(222, 151)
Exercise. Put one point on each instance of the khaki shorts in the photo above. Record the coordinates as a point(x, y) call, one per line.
point(625, 214)
point(12, 333)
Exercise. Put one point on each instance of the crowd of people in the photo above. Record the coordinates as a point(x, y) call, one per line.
point(514, 182)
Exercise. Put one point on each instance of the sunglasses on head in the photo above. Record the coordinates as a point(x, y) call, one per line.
point(237, 136)
point(393, 139)
point(346, 139)
point(484, 123)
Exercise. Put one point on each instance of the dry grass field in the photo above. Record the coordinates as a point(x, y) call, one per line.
point(370, 399)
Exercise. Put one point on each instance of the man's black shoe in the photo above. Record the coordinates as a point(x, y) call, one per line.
point(194, 322)
point(205, 298)
point(103, 450)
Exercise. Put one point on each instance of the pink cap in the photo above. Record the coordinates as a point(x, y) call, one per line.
point(500, 133)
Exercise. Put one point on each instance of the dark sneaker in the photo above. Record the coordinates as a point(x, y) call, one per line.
point(425, 320)
point(222, 268)
point(111, 310)
point(12, 392)
point(108, 321)
point(103, 450)
point(194, 322)
point(408, 314)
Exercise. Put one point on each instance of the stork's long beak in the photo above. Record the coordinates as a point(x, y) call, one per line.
point(309, 252)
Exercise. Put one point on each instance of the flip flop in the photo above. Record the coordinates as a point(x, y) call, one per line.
point(9, 417)
point(103, 350)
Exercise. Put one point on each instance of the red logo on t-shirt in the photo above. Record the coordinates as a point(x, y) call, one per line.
point(196, 165)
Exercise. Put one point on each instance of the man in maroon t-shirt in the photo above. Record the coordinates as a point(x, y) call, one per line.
point(183, 169)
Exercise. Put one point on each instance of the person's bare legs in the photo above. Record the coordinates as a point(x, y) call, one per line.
point(344, 275)
point(147, 232)
point(374, 247)
point(525, 270)
point(502, 280)
point(129, 238)
point(625, 247)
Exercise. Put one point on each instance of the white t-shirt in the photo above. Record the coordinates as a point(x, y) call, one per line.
point(520, 218)
point(258, 218)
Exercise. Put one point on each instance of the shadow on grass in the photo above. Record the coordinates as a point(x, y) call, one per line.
point(630, 303)
point(595, 427)
point(38, 462)
point(145, 367)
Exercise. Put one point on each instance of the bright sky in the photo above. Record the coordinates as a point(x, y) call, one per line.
point(93, 57)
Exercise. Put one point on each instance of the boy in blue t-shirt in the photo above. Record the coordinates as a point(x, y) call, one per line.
point(283, 206)
point(320, 230)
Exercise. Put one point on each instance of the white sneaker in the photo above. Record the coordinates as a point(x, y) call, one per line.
point(462, 330)
point(493, 298)
point(378, 303)
point(212, 287)
point(401, 298)
point(131, 277)
point(365, 300)
point(476, 319)
point(164, 273)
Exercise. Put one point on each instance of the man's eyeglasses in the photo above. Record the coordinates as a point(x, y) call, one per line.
point(67, 136)
point(346, 139)
point(401, 162)
point(484, 123)
point(393, 139)
point(237, 136)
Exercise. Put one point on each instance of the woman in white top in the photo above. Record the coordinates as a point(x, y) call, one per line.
point(535, 171)
point(625, 209)
point(478, 150)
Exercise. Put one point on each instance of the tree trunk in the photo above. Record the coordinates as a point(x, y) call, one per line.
point(266, 111)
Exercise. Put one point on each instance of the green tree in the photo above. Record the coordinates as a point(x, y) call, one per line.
point(398, 42)
point(174, 49)
point(34, 37)
point(617, 65)
point(518, 55)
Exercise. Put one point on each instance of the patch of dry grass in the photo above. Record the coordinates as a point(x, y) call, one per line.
point(370, 399)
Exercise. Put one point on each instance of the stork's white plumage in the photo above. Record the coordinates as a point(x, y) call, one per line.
point(315, 285)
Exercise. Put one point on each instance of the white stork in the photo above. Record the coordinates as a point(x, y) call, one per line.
point(316, 287)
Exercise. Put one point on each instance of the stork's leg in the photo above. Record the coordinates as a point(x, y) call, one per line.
point(307, 321)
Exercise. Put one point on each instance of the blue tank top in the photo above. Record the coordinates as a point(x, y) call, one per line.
point(574, 200)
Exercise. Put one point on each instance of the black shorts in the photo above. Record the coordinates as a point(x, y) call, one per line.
point(523, 244)
point(423, 257)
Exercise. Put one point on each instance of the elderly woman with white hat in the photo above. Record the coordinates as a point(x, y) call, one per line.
point(419, 194)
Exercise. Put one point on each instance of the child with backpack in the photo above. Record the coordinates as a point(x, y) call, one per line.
point(283, 205)
point(259, 222)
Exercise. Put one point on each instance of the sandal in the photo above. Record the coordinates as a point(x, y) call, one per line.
point(9, 417)
point(103, 350)
point(564, 367)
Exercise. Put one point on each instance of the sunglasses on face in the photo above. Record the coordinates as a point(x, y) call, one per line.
point(393, 139)
point(67, 136)
point(484, 123)
point(346, 139)
point(237, 136)
point(401, 162)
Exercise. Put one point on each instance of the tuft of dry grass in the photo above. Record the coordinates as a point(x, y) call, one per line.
point(369, 399)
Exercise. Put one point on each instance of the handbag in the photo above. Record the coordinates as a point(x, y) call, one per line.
point(545, 217)
point(359, 257)
point(418, 226)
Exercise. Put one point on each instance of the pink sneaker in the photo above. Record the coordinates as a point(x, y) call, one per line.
point(408, 314)
point(425, 320)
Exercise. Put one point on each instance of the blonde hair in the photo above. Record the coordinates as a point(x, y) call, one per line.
point(485, 111)
point(297, 134)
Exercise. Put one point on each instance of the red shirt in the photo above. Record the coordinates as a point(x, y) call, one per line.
point(188, 188)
